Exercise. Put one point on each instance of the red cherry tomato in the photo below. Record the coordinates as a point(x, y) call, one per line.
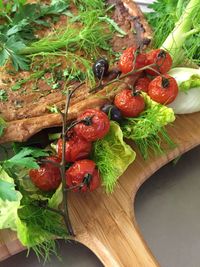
point(76, 148)
point(47, 177)
point(126, 62)
point(83, 172)
point(142, 84)
point(96, 127)
point(131, 104)
point(163, 89)
point(162, 59)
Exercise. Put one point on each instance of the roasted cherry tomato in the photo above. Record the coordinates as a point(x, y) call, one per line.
point(76, 148)
point(163, 89)
point(162, 59)
point(130, 103)
point(47, 177)
point(142, 84)
point(96, 125)
point(83, 173)
point(126, 62)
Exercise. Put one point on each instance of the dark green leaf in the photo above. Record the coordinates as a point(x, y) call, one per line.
point(25, 158)
point(2, 126)
point(7, 191)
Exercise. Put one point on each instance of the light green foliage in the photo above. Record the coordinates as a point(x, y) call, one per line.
point(9, 201)
point(112, 156)
point(18, 29)
point(176, 26)
point(148, 130)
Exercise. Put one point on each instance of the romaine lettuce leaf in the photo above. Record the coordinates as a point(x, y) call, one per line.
point(112, 156)
point(9, 201)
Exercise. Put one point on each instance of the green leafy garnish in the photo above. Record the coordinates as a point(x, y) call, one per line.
point(3, 95)
point(2, 126)
point(113, 24)
point(18, 29)
point(112, 156)
point(9, 201)
point(7, 191)
point(7, 187)
point(26, 158)
point(176, 26)
point(148, 130)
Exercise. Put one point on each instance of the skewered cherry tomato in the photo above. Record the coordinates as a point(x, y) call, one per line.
point(130, 103)
point(162, 59)
point(47, 177)
point(163, 89)
point(126, 62)
point(142, 84)
point(83, 173)
point(76, 148)
point(95, 127)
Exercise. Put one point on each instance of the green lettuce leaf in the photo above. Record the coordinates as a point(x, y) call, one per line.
point(112, 156)
point(148, 130)
point(9, 202)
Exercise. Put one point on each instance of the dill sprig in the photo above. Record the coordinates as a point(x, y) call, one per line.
point(148, 130)
point(79, 68)
point(88, 36)
point(84, 5)
point(42, 227)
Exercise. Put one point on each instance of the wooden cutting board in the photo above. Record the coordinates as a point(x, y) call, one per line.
point(106, 223)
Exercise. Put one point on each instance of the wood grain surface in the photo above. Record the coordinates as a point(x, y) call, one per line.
point(106, 223)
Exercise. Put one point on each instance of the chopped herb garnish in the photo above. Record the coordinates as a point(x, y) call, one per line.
point(3, 95)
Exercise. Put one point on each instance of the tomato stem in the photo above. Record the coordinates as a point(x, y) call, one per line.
point(94, 89)
point(63, 162)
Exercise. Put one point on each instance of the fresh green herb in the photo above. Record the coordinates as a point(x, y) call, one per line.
point(2, 125)
point(80, 67)
point(19, 28)
point(88, 38)
point(176, 27)
point(3, 95)
point(113, 24)
point(112, 156)
point(25, 158)
point(53, 109)
point(84, 5)
point(148, 130)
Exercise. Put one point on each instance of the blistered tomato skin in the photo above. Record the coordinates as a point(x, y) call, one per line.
point(162, 59)
point(47, 177)
point(76, 148)
point(163, 89)
point(130, 105)
point(142, 84)
point(126, 62)
point(97, 127)
point(79, 172)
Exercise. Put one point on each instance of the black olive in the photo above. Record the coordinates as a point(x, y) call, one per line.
point(113, 112)
point(100, 68)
